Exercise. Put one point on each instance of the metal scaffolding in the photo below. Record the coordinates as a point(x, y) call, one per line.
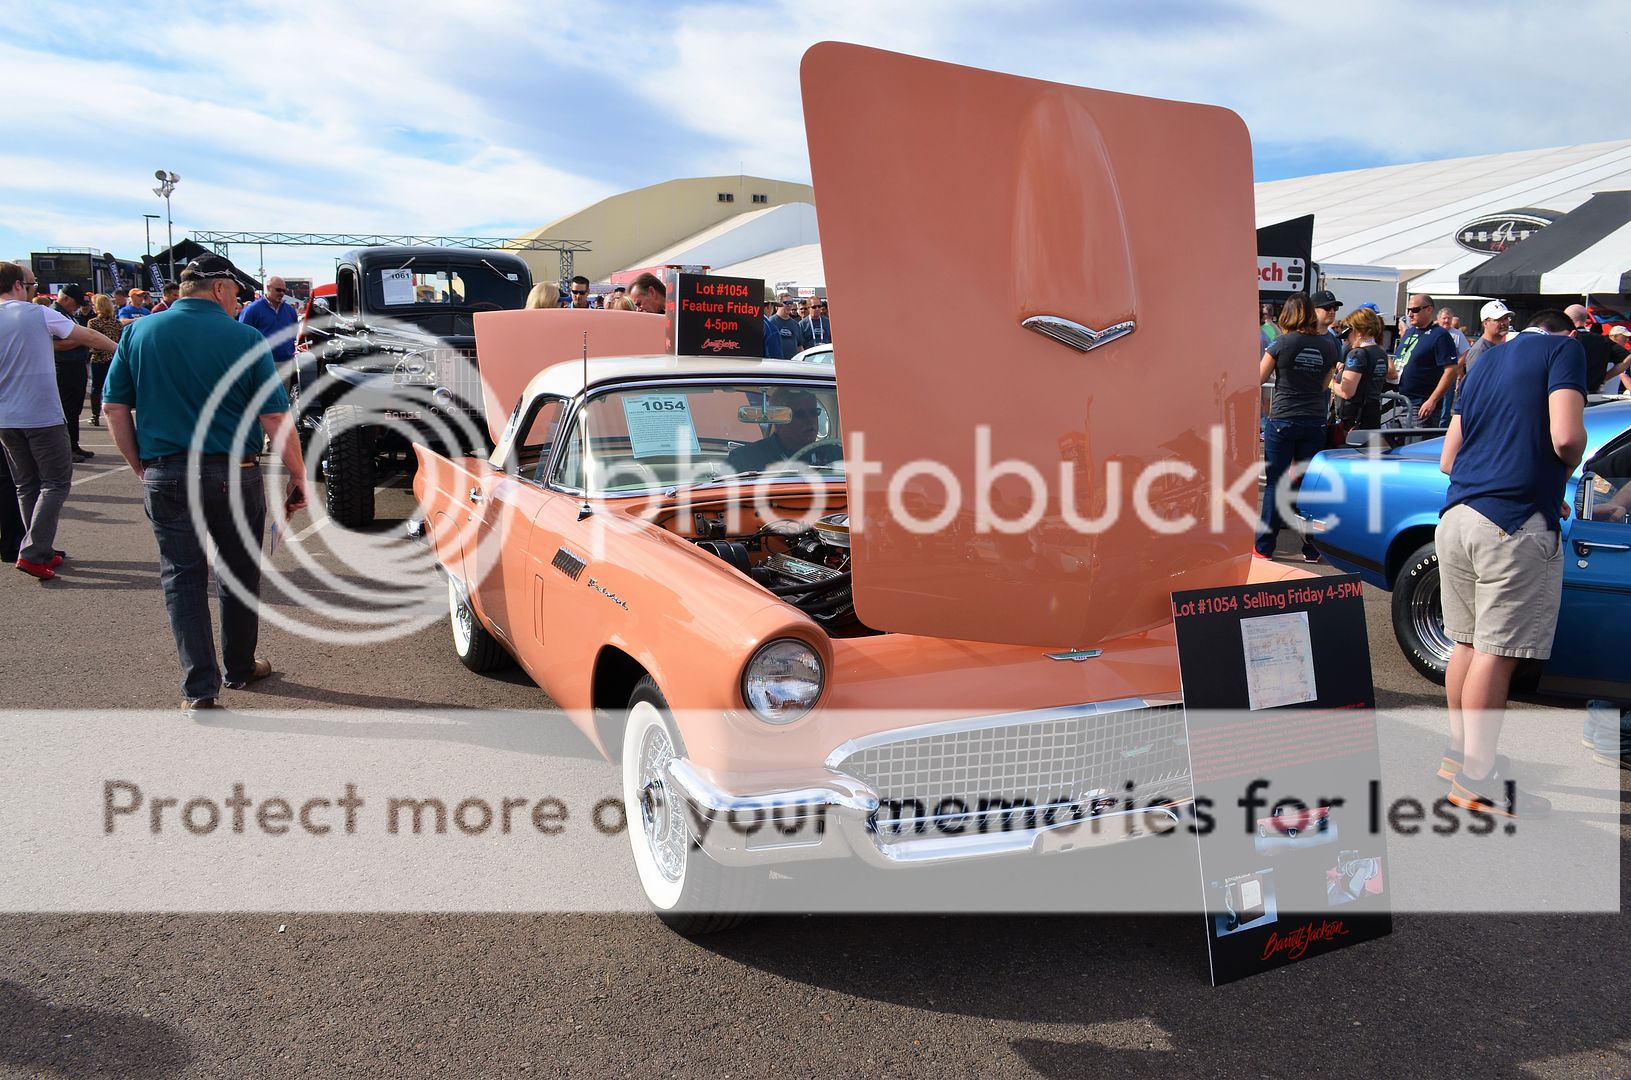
point(222, 242)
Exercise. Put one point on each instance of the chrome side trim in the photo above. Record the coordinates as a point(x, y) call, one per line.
point(942, 848)
point(1078, 337)
point(1075, 655)
point(974, 723)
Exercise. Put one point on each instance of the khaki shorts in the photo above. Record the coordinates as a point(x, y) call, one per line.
point(1500, 592)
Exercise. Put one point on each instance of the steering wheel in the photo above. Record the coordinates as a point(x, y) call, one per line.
point(810, 451)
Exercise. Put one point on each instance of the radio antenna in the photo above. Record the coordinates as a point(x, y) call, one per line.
point(584, 509)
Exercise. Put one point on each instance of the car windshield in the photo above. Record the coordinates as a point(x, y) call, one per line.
point(661, 436)
point(420, 286)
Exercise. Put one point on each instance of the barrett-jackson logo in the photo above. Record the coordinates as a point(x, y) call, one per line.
point(1494, 233)
point(1297, 942)
point(719, 345)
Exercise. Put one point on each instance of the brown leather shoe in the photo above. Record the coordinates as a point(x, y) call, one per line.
point(263, 668)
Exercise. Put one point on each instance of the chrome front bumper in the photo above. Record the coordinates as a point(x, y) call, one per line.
point(1037, 782)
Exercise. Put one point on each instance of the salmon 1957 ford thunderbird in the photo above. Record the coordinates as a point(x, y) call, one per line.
point(865, 595)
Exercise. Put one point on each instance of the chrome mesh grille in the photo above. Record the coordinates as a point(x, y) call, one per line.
point(1049, 762)
point(466, 380)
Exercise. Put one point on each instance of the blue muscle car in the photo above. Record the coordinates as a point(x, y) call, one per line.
point(1372, 512)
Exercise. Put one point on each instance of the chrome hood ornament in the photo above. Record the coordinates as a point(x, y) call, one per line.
point(1079, 337)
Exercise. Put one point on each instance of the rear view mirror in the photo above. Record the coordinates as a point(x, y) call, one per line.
point(769, 414)
point(320, 306)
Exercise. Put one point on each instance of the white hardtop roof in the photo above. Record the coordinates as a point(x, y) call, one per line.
point(566, 379)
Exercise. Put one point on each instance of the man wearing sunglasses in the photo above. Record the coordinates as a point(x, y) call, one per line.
point(579, 288)
point(275, 317)
point(786, 326)
point(784, 440)
point(166, 371)
point(1427, 359)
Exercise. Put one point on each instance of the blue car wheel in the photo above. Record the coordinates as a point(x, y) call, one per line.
point(1418, 614)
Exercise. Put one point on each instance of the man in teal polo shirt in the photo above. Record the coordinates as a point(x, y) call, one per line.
point(166, 370)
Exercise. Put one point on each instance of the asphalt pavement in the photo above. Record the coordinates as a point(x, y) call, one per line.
point(281, 994)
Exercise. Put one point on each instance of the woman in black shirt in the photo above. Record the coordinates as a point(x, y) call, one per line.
point(1300, 360)
point(1365, 372)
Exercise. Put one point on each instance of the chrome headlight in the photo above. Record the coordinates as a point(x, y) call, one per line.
point(419, 367)
point(782, 681)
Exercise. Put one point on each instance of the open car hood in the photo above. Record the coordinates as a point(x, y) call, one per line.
point(984, 200)
point(513, 346)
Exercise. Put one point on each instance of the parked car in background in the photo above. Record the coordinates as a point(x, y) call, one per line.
point(815, 354)
point(1372, 511)
point(389, 360)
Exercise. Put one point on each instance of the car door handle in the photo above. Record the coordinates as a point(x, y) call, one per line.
point(475, 494)
point(1583, 546)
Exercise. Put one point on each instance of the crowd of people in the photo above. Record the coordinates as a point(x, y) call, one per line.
point(1511, 407)
point(166, 371)
point(791, 323)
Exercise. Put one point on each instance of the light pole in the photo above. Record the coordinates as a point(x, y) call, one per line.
point(148, 224)
point(167, 185)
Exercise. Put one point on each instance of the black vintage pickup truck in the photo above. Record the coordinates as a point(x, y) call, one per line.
point(390, 360)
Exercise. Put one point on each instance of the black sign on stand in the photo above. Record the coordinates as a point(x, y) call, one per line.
point(1285, 259)
point(1282, 741)
point(715, 316)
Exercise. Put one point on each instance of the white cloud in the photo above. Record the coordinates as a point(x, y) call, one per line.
point(428, 117)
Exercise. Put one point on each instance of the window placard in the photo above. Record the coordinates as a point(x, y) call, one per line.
point(660, 425)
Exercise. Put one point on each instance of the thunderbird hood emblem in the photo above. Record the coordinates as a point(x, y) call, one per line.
point(1079, 337)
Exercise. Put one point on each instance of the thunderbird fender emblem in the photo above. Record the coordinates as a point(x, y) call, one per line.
point(1079, 337)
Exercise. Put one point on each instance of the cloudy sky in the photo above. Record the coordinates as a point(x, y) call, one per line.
point(491, 117)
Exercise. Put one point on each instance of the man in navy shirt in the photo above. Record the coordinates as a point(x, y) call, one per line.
point(1426, 358)
point(1518, 431)
point(275, 318)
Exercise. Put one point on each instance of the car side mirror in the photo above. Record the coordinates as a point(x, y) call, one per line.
point(320, 306)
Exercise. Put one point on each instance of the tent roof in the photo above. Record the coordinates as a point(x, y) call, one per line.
point(799, 266)
point(1406, 216)
point(1587, 251)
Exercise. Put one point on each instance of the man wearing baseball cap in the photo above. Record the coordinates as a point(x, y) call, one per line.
point(1497, 319)
point(1619, 380)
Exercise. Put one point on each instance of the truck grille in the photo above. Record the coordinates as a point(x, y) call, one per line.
point(1083, 761)
point(465, 380)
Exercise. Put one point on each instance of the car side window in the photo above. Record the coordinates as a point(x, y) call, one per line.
point(345, 291)
point(535, 437)
point(568, 472)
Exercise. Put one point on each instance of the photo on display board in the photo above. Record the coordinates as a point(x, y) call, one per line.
point(1353, 878)
point(1291, 826)
point(1243, 902)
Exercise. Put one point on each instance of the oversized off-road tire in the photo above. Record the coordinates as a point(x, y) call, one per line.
point(475, 647)
point(1418, 614)
point(348, 468)
point(690, 892)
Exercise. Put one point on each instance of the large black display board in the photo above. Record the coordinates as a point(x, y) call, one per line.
point(1282, 739)
point(715, 316)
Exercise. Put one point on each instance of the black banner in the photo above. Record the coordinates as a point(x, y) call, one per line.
point(1285, 259)
point(715, 316)
point(1282, 739)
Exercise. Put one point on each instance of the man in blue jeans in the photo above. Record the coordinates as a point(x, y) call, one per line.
point(166, 371)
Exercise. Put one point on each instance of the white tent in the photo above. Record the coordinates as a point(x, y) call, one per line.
point(744, 236)
point(1410, 216)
